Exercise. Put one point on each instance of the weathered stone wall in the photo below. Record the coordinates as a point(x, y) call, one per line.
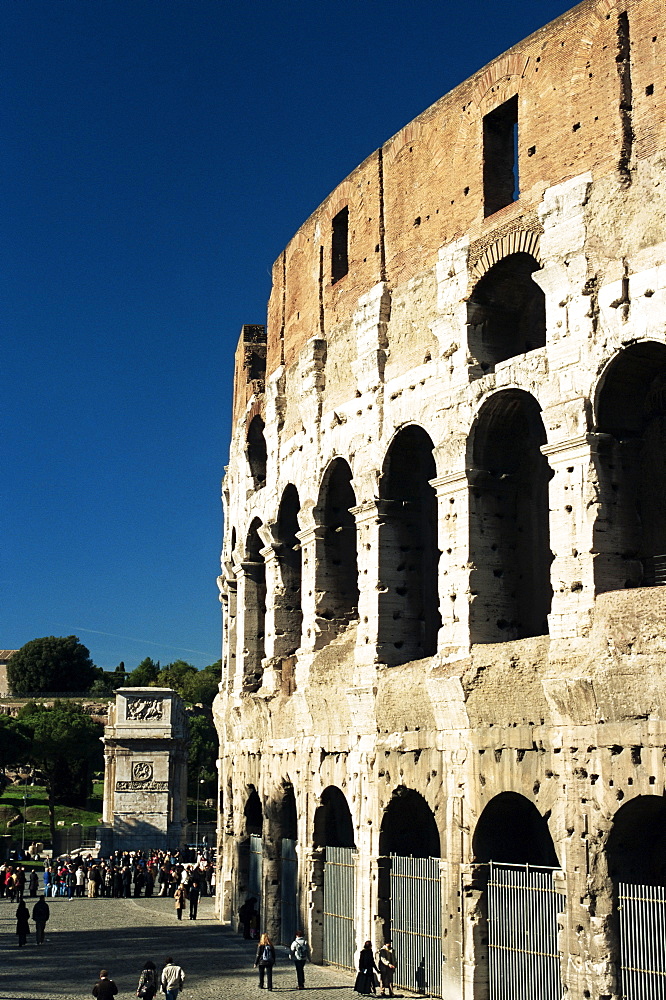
point(470, 424)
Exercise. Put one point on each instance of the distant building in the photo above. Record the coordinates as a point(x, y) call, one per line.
point(5, 657)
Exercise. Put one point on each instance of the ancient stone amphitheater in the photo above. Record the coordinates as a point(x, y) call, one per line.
point(443, 708)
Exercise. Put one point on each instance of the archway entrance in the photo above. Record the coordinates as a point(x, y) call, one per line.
point(630, 529)
point(636, 856)
point(509, 520)
point(248, 894)
point(409, 616)
point(334, 845)
point(410, 891)
point(515, 927)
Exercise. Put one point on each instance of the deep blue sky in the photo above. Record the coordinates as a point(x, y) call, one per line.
point(155, 157)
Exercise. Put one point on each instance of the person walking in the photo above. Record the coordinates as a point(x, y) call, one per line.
point(22, 922)
point(32, 884)
point(365, 980)
point(179, 898)
point(386, 963)
point(193, 896)
point(265, 960)
point(147, 987)
point(40, 914)
point(300, 953)
point(172, 979)
point(104, 988)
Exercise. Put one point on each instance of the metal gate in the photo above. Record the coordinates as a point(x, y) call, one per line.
point(339, 907)
point(255, 865)
point(288, 892)
point(524, 962)
point(642, 936)
point(416, 923)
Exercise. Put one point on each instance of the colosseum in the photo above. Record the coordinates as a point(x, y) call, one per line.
point(443, 709)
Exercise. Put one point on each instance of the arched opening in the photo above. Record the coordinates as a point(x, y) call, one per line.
point(333, 826)
point(337, 570)
point(409, 902)
point(254, 610)
point(334, 870)
point(288, 613)
point(256, 451)
point(249, 866)
point(409, 618)
point(409, 827)
point(636, 859)
point(512, 832)
point(509, 521)
point(506, 313)
point(630, 528)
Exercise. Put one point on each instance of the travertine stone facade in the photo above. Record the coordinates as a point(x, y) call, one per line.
point(145, 770)
point(445, 530)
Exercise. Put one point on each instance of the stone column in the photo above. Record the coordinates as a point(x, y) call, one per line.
point(453, 539)
point(311, 537)
point(367, 533)
point(572, 517)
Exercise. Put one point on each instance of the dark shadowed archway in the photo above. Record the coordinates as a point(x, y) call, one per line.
point(288, 612)
point(337, 568)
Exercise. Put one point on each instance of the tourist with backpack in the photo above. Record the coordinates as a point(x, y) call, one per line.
point(300, 953)
point(265, 960)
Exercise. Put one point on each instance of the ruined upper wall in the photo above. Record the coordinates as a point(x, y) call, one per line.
point(578, 110)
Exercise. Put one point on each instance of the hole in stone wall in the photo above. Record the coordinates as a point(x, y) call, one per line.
point(506, 313)
point(256, 451)
point(500, 157)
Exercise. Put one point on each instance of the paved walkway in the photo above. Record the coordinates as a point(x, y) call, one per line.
point(86, 935)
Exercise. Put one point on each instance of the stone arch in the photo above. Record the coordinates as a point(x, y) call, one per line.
point(280, 865)
point(337, 569)
point(408, 826)
point(409, 617)
point(288, 609)
point(408, 829)
point(630, 460)
point(509, 520)
point(256, 451)
point(333, 824)
point(248, 867)
point(254, 609)
point(506, 312)
point(636, 845)
point(510, 831)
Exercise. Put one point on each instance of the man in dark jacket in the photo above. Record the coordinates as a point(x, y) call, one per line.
point(104, 988)
point(40, 914)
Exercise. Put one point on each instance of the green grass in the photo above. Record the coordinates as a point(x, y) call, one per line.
point(37, 811)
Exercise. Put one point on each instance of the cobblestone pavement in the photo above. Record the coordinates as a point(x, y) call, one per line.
point(86, 935)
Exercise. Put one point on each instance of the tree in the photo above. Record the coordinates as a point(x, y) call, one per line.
point(201, 687)
point(145, 675)
point(174, 675)
point(14, 743)
point(51, 664)
point(203, 752)
point(65, 748)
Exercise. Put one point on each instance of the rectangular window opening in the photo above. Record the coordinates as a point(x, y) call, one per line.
point(500, 157)
point(339, 245)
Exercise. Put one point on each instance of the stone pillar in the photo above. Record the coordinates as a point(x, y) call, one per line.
point(453, 540)
point(370, 324)
point(572, 517)
point(311, 538)
point(146, 754)
point(367, 533)
point(311, 868)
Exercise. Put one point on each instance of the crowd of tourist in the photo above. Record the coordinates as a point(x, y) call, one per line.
point(122, 875)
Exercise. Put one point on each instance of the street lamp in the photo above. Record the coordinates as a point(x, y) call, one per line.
point(199, 784)
point(25, 776)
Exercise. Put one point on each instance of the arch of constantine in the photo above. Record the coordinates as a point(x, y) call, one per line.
point(443, 707)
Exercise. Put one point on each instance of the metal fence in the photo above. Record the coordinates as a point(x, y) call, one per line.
point(339, 907)
point(642, 936)
point(288, 892)
point(524, 962)
point(255, 865)
point(416, 923)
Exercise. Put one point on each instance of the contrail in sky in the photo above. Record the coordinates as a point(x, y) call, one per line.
point(146, 642)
